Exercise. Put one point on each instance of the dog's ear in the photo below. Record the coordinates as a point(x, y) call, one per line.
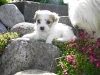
point(54, 16)
point(36, 14)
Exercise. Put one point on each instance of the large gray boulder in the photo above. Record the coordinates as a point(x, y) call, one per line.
point(21, 54)
point(3, 29)
point(28, 8)
point(34, 72)
point(23, 28)
point(10, 15)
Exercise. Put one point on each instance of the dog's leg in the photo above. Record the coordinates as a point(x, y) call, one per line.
point(60, 39)
point(25, 39)
point(50, 39)
point(33, 35)
point(64, 39)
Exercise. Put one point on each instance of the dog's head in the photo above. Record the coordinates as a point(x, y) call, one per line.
point(45, 19)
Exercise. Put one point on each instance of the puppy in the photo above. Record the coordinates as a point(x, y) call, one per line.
point(48, 28)
point(86, 15)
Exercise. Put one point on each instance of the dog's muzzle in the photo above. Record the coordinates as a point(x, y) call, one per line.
point(41, 28)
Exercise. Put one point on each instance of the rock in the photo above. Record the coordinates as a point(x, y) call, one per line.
point(23, 28)
point(28, 8)
point(10, 15)
point(65, 20)
point(34, 72)
point(2, 28)
point(23, 54)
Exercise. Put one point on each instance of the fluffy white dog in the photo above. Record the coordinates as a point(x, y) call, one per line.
point(85, 14)
point(48, 28)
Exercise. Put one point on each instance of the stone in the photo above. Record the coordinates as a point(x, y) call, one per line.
point(21, 54)
point(23, 28)
point(10, 15)
point(3, 29)
point(65, 20)
point(34, 72)
point(28, 8)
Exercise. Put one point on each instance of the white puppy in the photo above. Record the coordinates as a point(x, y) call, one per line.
point(85, 14)
point(48, 28)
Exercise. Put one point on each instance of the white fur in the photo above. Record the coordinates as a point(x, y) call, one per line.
point(58, 31)
point(86, 15)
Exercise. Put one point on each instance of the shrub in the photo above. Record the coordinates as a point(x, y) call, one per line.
point(4, 1)
point(5, 37)
point(79, 57)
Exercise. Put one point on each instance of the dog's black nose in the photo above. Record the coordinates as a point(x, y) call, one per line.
point(42, 28)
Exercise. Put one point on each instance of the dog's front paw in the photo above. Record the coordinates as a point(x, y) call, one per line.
point(60, 40)
point(48, 42)
point(49, 39)
point(27, 39)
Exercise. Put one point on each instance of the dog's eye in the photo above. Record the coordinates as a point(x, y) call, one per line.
point(48, 22)
point(38, 21)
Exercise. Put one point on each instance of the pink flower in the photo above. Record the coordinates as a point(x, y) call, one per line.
point(92, 59)
point(98, 40)
point(82, 33)
point(98, 64)
point(90, 49)
point(83, 49)
point(87, 37)
point(93, 32)
point(71, 45)
point(74, 61)
point(97, 47)
point(65, 72)
point(72, 40)
point(69, 58)
point(61, 64)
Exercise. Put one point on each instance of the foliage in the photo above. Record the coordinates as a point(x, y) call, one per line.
point(4, 1)
point(42, 1)
point(79, 57)
point(57, 2)
point(5, 37)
